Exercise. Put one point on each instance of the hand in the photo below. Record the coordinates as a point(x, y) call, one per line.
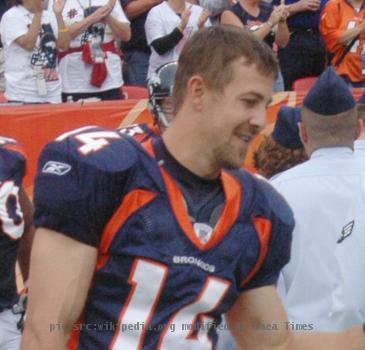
point(285, 13)
point(185, 17)
point(277, 14)
point(110, 5)
point(203, 17)
point(310, 5)
point(38, 6)
point(103, 11)
point(58, 6)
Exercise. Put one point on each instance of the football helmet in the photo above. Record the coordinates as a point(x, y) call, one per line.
point(160, 88)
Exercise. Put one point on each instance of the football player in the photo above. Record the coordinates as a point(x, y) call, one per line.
point(160, 103)
point(16, 234)
point(145, 246)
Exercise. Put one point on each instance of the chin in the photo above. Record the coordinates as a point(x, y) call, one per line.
point(233, 163)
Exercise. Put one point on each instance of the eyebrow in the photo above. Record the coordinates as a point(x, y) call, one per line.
point(257, 95)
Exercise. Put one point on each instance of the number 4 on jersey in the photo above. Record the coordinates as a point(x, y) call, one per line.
point(148, 279)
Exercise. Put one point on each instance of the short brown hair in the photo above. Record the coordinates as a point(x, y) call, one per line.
point(330, 130)
point(210, 52)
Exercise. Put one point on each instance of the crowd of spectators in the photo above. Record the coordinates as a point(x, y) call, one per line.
point(103, 44)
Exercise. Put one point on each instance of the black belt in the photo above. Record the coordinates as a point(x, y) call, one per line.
point(308, 31)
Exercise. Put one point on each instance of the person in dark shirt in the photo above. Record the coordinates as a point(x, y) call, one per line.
point(136, 50)
point(305, 55)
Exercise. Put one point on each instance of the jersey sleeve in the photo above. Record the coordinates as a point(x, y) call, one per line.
point(330, 26)
point(273, 207)
point(154, 27)
point(12, 170)
point(12, 27)
point(12, 161)
point(80, 183)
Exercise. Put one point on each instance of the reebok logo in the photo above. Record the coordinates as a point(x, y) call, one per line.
point(56, 168)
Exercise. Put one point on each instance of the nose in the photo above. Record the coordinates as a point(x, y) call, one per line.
point(259, 117)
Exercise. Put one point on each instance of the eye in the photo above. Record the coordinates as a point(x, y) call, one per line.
point(249, 102)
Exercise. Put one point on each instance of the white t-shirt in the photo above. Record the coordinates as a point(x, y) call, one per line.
point(74, 71)
point(21, 64)
point(324, 279)
point(162, 20)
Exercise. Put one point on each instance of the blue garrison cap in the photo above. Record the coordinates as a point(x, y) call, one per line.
point(330, 95)
point(286, 131)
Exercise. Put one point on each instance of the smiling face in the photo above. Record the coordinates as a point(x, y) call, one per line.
point(236, 115)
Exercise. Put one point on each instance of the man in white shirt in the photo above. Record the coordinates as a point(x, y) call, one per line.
point(168, 26)
point(360, 142)
point(324, 278)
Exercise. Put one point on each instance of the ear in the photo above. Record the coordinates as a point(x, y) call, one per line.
point(303, 133)
point(195, 91)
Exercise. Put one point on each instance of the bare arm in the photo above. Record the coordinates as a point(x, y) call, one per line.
point(60, 275)
point(29, 40)
point(120, 30)
point(80, 27)
point(304, 5)
point(229, 17)
point(346, 36)
point(28, 235)
point(63, 40)
point(282, 34)
point(138, 7)
point(258, 310)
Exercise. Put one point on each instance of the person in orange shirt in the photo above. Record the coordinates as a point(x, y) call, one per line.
point(342, 26)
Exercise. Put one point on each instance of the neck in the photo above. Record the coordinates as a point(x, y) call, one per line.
point(28, 5)
point(249, 3)
point(177, 5)
point(362, 136)
point(193, 153)
point(312, 148)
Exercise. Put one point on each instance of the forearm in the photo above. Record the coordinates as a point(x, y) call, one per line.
point(29, 40)
point(63, 40)
point(264, 30)
point(48, 337)
point(78, 28)
point(167, 42)
point(295, 8)
point(120, 30)
point(138, 7)
point(350, 34)
point(56, 302)
point(282, 34)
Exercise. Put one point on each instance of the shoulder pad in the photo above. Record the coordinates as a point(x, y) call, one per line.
point(12, 159)
point(103, 149)
point(273, 200)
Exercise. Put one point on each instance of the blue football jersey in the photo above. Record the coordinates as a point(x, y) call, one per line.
point(12, 168)
point(141, 132)
point(157, 285)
